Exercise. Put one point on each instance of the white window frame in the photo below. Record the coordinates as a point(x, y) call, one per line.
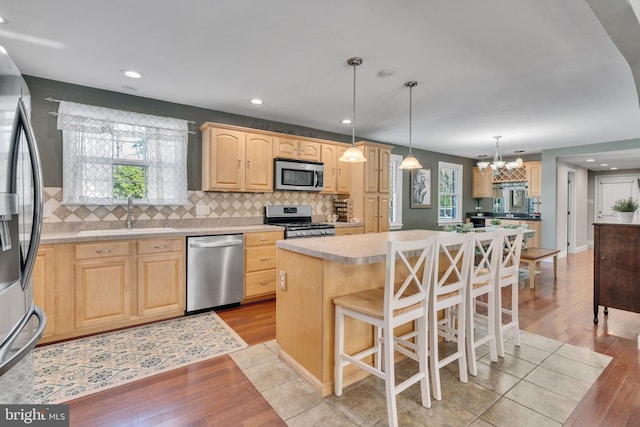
point(395, 195)
point(164, 163)
point(458, 193)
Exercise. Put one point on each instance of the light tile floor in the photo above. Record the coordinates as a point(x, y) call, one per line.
point(536, 384)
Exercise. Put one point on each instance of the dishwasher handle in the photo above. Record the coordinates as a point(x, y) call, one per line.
point(216, 244)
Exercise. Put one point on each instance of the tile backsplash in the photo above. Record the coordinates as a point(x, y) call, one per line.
point(223, 209)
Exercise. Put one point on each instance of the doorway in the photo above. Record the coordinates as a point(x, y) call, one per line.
point(571, 212)
point(608, 189)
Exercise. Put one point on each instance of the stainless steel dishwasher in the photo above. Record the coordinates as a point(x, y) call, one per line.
point(215, 271)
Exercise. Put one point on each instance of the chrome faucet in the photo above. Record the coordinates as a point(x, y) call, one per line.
point(129, 211)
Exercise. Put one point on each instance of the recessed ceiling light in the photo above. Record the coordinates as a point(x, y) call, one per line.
point(482, 156)
point(386, 73)
point(132, 74)
point(256, 101)
point(613, 169)
point(590, 160)
point(346, 121)
point(604, 164)
point(3, 20)
point(518, 151)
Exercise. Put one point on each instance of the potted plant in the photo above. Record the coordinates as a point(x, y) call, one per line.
point(625, 208)
point(495, 222)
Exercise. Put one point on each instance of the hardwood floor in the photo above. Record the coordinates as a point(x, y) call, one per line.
point(216, 392)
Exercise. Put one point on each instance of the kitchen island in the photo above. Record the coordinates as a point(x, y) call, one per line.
point(312, 272)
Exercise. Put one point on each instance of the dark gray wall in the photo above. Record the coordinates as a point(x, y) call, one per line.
point(50, 138)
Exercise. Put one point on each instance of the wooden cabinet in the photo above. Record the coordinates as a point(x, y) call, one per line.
point(161, 277)
point(376, 213)
point(376, 175)
point(102, 284)
point(616, 254)
point(297, 149)
point(336, 173)
point(534, 178)
point(260, 264)
point(481, 184)
point(94, 287)
point(236, 161)
point(370, 187)
point(43, 286)
point(532, 242)
point(348, 231)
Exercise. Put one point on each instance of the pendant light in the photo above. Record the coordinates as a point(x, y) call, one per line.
point(353, 153)
point(410, 162)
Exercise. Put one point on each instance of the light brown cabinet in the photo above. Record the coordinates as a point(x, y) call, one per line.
point(161, 277)
point(376, 213)
point(481, 184)
point(348, 231)
point(532, 242)
point(370, 187)
point(297, 149)
point(102, 284)
point(233, 160)
point(534, 178)
point(43, 286)
point(93, 287)
point(336, 173)
point(260, 264)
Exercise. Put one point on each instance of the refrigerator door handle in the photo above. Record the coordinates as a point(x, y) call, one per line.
point(22, 122)
point(9, 363)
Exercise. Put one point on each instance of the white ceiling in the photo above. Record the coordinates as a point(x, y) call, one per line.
point(543, 74)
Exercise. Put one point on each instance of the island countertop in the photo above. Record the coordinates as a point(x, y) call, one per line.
point(356, 249)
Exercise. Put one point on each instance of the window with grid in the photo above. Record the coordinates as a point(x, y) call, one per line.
point(449, 193)
point(110, 154)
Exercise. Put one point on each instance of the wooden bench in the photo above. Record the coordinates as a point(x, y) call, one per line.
point(533, 255)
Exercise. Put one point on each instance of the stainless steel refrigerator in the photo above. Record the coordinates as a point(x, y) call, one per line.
point(21, 321)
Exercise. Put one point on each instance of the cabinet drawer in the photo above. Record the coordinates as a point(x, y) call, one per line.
point(348, 231)
point(260, 258)
point(261, 239)
point(152, 246)
point(260, 282)
point(101, 250)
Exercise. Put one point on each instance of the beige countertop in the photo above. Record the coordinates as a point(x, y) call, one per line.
point(159, 232)
point(355, 249)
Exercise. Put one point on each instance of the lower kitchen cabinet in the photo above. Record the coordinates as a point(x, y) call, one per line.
point(532, 242)
point(94, 287)
point(260, 265)
point(376, 213)
point(43, 292)
point(161, 277)
point(347, 231)
point(102, 281)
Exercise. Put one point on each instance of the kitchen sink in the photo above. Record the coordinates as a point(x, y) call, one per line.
point(125, 231)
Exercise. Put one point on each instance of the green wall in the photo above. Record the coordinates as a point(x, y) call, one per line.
point(50, 138)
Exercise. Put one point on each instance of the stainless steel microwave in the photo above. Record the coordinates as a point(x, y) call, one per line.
point(298, 175)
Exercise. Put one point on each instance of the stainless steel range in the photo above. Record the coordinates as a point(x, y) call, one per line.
point(296, 221)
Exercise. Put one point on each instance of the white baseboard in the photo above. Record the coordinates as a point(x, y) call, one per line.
point(581, 249)
point(590, 243)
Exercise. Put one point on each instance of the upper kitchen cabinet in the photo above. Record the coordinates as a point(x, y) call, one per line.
point(376, 170)
point(233, 160)
point(336, 173)
point(534, 178)
point(297, 149)
point(481, 184)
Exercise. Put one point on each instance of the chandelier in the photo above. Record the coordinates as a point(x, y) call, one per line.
point(498, 164)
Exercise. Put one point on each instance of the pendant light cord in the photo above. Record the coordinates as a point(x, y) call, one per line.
point(410, 114)
point(353, 118)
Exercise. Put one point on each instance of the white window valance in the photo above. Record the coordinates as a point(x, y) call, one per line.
point(92, 140)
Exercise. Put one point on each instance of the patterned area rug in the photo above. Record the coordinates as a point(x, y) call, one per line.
point(84, 366)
